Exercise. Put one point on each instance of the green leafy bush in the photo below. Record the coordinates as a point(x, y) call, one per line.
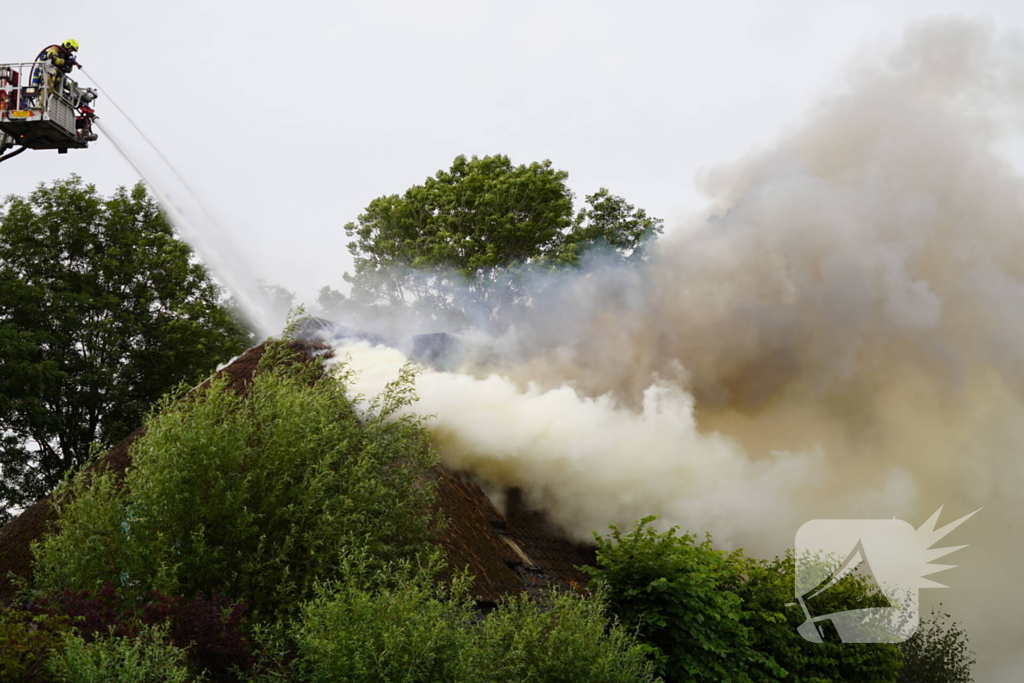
point(211, 629)
point(253, 499)
point(767, 586)
point(564, 638)
point(407, 631)
point(147, 658)
point(721, 616)
point(675, 592)
point(937, 653)
point(25, 643)
point(410, 628)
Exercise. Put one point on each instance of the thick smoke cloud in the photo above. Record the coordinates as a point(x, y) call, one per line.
point(839, 334)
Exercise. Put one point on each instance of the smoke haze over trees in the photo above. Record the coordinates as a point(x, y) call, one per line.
point(462, 242)
point(842, 341)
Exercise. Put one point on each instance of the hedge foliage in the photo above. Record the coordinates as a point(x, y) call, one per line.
point(251, 498)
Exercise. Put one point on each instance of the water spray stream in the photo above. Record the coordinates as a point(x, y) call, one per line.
point(196, 225)
point(115, 105)
point(242, 291)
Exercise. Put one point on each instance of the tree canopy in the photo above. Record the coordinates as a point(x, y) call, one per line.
point(471, 225)
point(102, 310)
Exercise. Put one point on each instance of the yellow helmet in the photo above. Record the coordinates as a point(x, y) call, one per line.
point(71, 44)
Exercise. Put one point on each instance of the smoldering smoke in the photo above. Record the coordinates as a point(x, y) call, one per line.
point(839, 334)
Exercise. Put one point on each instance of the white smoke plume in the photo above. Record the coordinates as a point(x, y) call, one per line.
point(843, 338)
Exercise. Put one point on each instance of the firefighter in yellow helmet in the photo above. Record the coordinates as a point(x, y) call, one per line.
point(61, 57)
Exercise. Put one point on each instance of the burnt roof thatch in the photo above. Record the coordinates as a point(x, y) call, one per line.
point(505, 553)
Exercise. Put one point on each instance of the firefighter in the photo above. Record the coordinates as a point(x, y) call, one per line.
point(61, 57)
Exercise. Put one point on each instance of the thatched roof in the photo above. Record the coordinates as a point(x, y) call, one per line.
point(506, 553)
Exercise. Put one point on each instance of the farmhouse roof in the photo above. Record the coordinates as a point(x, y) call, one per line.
point(506, 552)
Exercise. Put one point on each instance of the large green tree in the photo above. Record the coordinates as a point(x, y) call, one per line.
point(466, 233)
point(102, 310)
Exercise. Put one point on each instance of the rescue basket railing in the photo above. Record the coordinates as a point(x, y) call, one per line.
point(29, 85)
point(39, 92)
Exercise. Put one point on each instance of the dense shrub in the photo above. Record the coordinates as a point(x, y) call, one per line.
point(674, 591)
point(253, 499)
point(767, 586)
point(211, 630)
point(147, 658)
point(410, 630)
point(413, 629)
point(92, 613)
point(43, 647)
point(25, 643)
point(717, 616)
point(937, 653)
point(563, 638)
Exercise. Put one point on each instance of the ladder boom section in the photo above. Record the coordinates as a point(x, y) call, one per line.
point(42, 108)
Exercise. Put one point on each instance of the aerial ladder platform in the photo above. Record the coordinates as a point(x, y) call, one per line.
point(42, 108)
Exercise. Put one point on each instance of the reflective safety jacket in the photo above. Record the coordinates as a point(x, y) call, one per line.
point(59, 56)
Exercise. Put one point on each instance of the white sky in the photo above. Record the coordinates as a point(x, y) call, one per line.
point(290, 118)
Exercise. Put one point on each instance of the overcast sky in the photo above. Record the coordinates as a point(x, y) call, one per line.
point(288, 118)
